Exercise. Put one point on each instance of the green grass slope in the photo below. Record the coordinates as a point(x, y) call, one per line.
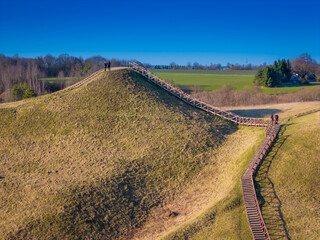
point(93, 162)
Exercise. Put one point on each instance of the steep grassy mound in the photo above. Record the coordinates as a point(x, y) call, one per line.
point(287, 184)
point(93, 162)
point(289, 181)
point(223, 217)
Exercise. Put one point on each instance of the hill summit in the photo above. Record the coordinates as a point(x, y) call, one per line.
point(92, 162)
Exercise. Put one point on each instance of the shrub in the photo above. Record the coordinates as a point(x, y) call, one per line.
point(29, 93)
point(85, 70)
point(21, 91)
point(17, 92)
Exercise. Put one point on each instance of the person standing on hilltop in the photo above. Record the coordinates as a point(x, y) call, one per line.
point(272, 119)
point(109, 65)
point(105, 66)
point(276, 118)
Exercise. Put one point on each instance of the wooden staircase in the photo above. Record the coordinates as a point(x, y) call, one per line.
point(258, 228)
point(256, 222)
point(247, 121)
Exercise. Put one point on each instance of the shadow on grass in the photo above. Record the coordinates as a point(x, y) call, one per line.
point(256, 112)
point(220, 128)
point(270, 204)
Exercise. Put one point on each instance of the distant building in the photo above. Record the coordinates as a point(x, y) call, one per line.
point(312, 78)
point(295, 79)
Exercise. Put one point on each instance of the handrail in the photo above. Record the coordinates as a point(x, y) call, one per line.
point(247, 180)
point(80, 83)
point(269, 128)
point(254, 215)
point(247, 121)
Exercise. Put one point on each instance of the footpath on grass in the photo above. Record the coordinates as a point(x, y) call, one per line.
point(256, 222)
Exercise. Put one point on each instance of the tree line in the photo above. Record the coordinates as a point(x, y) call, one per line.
point(304, 67)
point(212, 66)
point(18, 75)
point(21, 77)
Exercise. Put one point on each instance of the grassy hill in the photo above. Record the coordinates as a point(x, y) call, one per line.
point(119, 158)
point(95, 161)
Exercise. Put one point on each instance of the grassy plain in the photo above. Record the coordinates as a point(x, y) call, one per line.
point(209, 80)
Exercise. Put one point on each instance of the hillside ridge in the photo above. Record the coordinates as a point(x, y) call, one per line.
point(256, 222)
point(94, 161)
point(246, 121)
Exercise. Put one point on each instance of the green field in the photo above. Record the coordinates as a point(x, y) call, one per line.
point(210, 80)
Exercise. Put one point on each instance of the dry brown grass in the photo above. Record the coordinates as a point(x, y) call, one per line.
point(94, 161)
point(212, 185)
point(229, 97)
point(117, 155)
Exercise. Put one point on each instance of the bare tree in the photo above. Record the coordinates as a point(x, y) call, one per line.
point(304, 65)
point(60, 75)
point(76, 71)
point(61, 79)
point(173, 65)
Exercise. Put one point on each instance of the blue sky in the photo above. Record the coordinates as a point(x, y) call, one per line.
point(160, 32)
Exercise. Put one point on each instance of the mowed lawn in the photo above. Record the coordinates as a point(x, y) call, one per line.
point(210, 80)
point(207, 79)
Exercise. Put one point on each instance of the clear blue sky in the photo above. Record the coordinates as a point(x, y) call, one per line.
point(160, 32)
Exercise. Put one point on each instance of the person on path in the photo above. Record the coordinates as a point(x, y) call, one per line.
point(109, 65)
point(272, 119)
point(276, 118)
point(105, 66)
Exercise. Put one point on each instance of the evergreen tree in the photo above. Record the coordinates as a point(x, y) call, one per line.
point(259, 76)
point(29, 93)
point(285, 69)
point(17, 91)
point(267, 77)
point(276, 65)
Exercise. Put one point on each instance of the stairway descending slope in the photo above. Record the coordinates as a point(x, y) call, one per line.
point(247, 121)
point(80, 83)
point(256, 222)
